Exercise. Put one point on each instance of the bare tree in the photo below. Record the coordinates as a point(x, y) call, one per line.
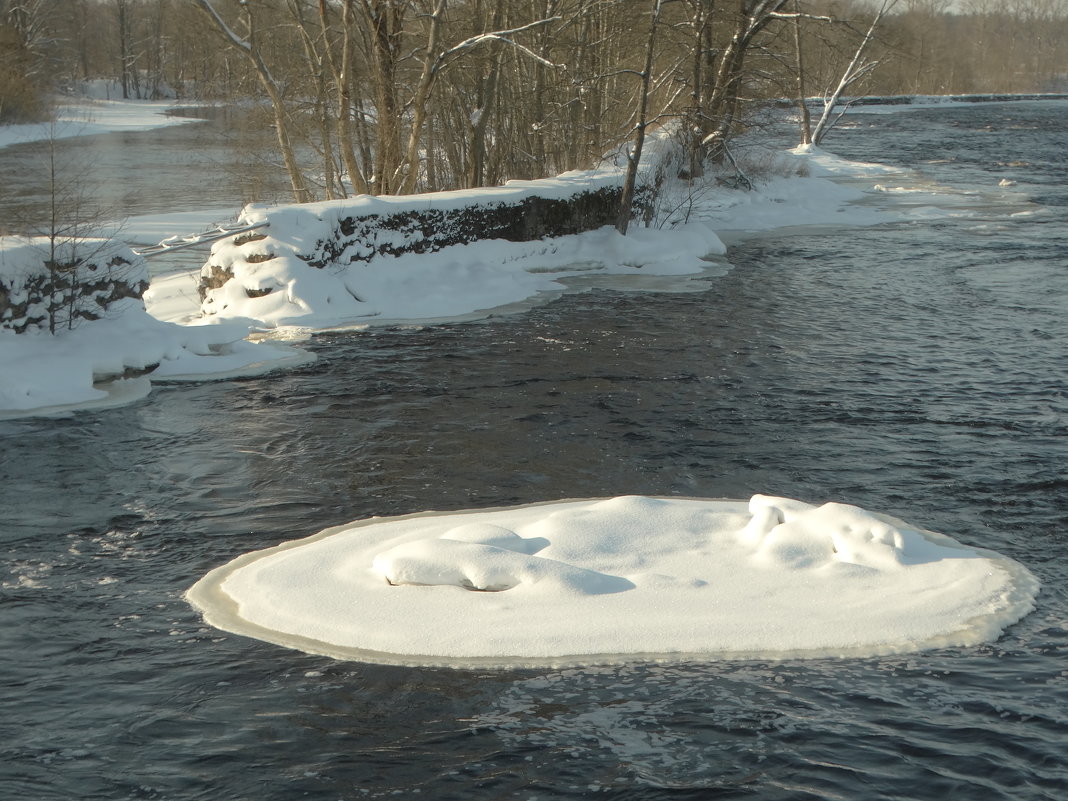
point(341, 60)
point(250, 47)
point(634, 155)
point(127, 59)
point(752, 18)
point(24, 39)
point(802, 95)
point(857, 69)
point(82, 273)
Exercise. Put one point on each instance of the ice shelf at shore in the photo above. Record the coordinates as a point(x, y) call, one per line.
point(611, 580)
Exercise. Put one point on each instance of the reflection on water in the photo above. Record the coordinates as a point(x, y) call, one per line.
point(223, 160)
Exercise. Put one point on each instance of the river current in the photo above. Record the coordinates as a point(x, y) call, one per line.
point(917, 368)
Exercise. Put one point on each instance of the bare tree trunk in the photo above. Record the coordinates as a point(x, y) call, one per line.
point(343, 83)
point(700, 80)
point(753, 17)
point(316, 56)
point(250, 47)
point(479, 121)
point(626, 200)
point(123, 10)
point(854, 72)
point(421, 98)
point(363, 146)
point(802, 106)
point(386, 21)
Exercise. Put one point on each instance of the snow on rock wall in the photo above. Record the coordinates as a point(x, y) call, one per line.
point(305, 262)
point(46, 287)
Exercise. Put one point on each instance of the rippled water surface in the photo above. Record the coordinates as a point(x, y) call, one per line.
point(918, 368)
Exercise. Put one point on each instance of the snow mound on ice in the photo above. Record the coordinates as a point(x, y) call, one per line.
point(623, 578)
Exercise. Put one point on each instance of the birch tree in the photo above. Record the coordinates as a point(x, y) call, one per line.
point(802, 95)
point(857, 68)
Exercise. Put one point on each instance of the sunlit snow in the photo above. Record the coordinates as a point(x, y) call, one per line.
point(43, 373)
point(290, 299)
point(618, 579)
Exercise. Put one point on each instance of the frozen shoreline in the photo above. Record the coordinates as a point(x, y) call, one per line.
point(812, 189)
point(86, 117)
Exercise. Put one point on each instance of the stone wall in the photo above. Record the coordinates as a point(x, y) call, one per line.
point(39, 293)
point(427, 230)
point(362, 237)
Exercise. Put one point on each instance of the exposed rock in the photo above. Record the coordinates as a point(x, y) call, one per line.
point(49, 288)
point(128, 372)
point(361, 238)
point(212, 277)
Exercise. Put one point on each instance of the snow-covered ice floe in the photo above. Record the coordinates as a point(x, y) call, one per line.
point(620, 579)
point(45, 375)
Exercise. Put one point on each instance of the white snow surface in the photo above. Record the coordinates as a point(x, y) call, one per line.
point(619, 579)
point(43, 374)
point(684, 245)
point(46, 374)
point(454, 282)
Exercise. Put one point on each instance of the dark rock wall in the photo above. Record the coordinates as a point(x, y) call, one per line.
point(61, 295)
point(363, 238)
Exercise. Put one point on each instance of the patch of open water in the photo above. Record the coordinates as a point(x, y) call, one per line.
point(916, 368)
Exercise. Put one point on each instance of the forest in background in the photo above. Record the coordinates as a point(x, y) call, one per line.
point(397, 96)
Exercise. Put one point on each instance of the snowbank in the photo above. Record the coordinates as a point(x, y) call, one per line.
point(437, 255)
point(104, 341)
point(379, 260)
point(366, 261)
point(623, 578)
point(894, 103)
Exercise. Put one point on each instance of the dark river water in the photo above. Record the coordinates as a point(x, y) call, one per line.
point(918, 368)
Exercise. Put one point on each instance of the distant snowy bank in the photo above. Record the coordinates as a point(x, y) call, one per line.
point(611, 580)
point(369, 261)
point(945, 100)
point(87, 116)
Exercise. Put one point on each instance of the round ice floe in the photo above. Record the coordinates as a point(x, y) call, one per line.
point(620, 578)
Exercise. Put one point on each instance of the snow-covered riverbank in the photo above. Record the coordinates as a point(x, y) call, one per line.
point(85, 117)
point(285, 298)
